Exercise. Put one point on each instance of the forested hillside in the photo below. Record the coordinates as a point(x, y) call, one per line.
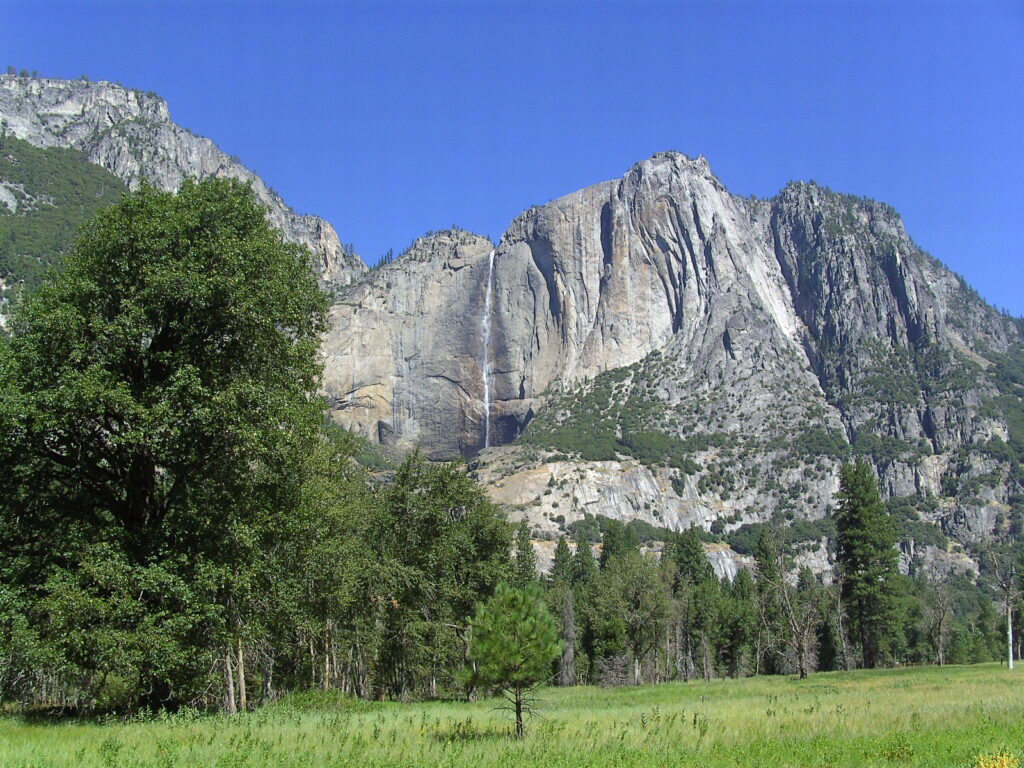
point(45, 194)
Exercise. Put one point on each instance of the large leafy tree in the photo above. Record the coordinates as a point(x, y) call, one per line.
point(156, 403)
point(438, 544)
point(632, 603)
point(868, 561)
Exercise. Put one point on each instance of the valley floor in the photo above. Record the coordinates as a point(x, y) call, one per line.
point(925, 716)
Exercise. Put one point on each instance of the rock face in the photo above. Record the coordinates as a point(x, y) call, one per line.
point(661, 349)
point(130, 133)
point(404, 356)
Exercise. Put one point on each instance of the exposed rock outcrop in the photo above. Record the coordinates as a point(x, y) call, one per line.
point(130, 133)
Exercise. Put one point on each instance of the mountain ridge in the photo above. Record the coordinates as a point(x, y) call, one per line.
point(130, 133)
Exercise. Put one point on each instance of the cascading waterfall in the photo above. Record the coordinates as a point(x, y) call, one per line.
point(485, 365)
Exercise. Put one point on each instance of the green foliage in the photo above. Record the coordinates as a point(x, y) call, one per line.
point(431, 546)
point(1008, 376)
point(616, 541)
point(685, 551)
point(157, 406)
point(56, 191)
point(525, 571)
point(586, 423)
point(366, 453)
point(514, 641)
point(593, 527)
point(658, 449)
point(179, 522)
point(561, 569)
point(745, 538)
point(631, 604)
point(883, 449)
point(815, 442)
point(584, 567)
point(867, 560)
point(904, 511)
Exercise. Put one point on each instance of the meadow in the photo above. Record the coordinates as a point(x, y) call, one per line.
point(923, 716)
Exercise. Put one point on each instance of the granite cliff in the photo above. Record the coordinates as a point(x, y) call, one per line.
point(654, 347)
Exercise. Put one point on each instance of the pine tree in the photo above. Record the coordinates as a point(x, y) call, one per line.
point(617, 540)
point(561, 570)
point(514, 640)
point(742, 623)
point(686, 550)
point(525, 569)
point(868, 562)
point(584, 567)
point(771, 637)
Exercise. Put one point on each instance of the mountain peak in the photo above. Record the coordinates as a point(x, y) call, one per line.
point(130, 133)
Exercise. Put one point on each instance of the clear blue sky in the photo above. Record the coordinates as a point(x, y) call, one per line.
point(392, 118)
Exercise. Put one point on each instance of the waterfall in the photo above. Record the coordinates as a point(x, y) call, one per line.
point(485, 364)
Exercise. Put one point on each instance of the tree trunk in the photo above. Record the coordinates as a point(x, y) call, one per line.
point(519, 713)
point(1009, 633)
point(243, 703)
point(229, 685)
point(705, 648)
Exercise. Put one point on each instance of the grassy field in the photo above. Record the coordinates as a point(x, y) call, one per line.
point(910, 717)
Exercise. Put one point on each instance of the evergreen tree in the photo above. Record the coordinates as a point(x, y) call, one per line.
point(771, 634)
point(584, 567)
point(617, 540)
point(686, 551)
point(525, 571)
point(514, 640)
point(741, 616)
point(561, 569)
point(868, 562)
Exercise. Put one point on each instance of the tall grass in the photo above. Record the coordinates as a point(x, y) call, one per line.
point(912, 717)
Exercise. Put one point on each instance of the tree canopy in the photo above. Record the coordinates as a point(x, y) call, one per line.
point(157, 400)
point(867, 560)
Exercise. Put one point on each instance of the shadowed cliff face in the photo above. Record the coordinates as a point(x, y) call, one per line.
point(763, 337)
point(130, 133)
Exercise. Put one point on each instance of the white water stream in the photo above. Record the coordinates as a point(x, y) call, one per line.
point(485, 364)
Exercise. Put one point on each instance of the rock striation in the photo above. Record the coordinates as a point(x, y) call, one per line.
point(131, 134)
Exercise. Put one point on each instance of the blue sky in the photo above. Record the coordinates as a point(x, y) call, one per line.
point(393, 118)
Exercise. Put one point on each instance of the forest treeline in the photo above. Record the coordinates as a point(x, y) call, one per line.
point(179, 525)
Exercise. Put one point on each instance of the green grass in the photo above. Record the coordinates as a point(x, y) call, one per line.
point(909, 717)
